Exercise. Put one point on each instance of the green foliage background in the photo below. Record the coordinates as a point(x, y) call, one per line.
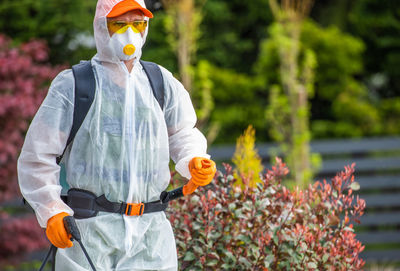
point(57, 22)
point(356, 44)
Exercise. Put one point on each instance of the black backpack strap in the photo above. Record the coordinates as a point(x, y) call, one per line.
point(154, 74)
point(85, 86)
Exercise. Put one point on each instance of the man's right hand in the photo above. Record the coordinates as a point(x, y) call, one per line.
point(56, 232)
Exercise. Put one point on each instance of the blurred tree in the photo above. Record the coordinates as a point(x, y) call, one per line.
point(182, 23)
point(378, 24)
point(230, 34)
point(230, 42)
point(296, 84)
point(332, 12)
point(390, 114)
point(66, 25)
point(238, 103)
point(157, 47)
point(204, 100)
point(218, 41)
point(341, 106)
point(232, 31)
point(24, 77)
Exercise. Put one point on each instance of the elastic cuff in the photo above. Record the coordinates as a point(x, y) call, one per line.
point(44, 214)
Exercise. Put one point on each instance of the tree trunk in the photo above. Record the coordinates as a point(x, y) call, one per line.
point(289, 16)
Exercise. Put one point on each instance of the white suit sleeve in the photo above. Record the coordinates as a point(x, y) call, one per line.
point(38, 172)
point(185, 141)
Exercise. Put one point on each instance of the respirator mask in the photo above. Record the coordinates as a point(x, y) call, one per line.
point(127, 40)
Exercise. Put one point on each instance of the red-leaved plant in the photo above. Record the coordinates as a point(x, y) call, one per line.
point(269, 227)
point(20, 236)
point(24, 79)
point(25, 75)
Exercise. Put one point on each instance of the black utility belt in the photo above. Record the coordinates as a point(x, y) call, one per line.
point(86, 204)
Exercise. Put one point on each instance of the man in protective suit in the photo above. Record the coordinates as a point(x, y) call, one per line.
point(121, 150)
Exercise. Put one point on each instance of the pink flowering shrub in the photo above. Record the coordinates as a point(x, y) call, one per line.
point(18, 237)
point(269, 227)
point(24, 79)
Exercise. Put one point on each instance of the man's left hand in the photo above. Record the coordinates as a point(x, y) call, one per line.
point(202, 170)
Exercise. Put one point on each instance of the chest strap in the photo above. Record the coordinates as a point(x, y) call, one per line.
point(86, 204)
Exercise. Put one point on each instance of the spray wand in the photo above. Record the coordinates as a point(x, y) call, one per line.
point(72, 228)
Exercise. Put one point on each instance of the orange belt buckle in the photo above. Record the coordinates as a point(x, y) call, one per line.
point(134, 209)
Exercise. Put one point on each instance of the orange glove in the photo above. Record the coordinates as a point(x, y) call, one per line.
point(56, 232)
point(202, 171)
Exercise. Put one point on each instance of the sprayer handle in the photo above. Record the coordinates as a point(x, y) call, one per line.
point(72, 228)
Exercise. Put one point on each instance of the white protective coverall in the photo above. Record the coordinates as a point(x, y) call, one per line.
point(122, 150)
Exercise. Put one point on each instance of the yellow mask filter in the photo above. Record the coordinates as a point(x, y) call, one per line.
point(129, 49)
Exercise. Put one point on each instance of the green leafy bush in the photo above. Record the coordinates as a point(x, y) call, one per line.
point(390, 110)
point(378, 24)
point(340, 101)
point(269, 227)
point(237, 104)
point(66, 25)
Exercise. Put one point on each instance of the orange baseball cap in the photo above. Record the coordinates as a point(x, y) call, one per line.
point(128, 5)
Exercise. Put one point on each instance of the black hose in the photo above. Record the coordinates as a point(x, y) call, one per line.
point(52, 251)
point(87, 255)
point(72, 228)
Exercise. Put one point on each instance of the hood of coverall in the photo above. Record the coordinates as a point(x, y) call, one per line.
point(105, 52)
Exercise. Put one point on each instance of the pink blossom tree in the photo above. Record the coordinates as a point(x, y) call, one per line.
point(24, 78)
